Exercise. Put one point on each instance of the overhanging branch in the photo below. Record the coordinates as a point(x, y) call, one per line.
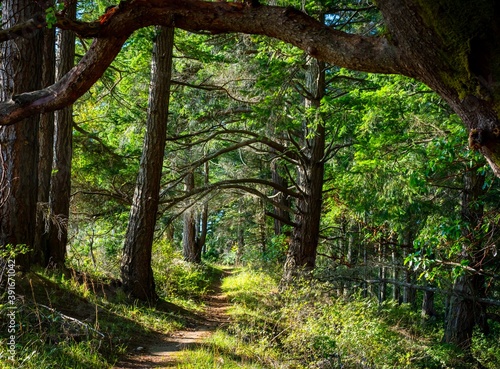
point(370, 54)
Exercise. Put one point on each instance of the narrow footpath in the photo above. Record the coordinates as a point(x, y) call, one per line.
point(162, 350)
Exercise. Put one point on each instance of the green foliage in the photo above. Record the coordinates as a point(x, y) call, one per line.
point(176, 278)
point(50, 14)
point(308, 326)
point(248, 287)
point(276, 249)
point(11, 251)
point(486, 348)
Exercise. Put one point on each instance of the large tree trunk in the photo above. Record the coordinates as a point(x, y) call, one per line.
point(396, 291)
point(464, 313)
point(60, 186)
point(136, 271)
point(301, 255)
point(20, 71)
point(454, 47)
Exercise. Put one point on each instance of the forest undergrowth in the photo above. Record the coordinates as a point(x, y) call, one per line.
point(84, 320)
point(78, 320)
point(308, 326)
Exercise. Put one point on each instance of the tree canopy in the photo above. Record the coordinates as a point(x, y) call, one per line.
point(451, 46)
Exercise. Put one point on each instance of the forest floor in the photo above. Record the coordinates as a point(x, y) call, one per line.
point(160, 350)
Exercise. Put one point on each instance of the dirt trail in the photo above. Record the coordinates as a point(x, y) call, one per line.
point(162, 351)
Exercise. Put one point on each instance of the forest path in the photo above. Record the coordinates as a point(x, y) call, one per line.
point(162, 350)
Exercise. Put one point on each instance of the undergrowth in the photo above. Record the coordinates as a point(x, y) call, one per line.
point(308, 326)
point(84, 320)
point(78, 320)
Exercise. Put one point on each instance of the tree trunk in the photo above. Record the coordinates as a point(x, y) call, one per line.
point(382, 293)
point(464, 313)
point(279, 197)
point(396, 292)
point(46, 153)
point(189, 246)
point(364, 284)
point(428, 310)
point(195, 230)
point(240, 242)
point(20, 71)
point(301, 256)
point(60, 186)
point(202, 232)
point(191, 251)
point(136, 271)
point(459, 63)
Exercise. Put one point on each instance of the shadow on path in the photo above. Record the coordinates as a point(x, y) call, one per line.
point(162, 350)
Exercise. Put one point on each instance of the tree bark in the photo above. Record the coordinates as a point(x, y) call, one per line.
point(191, 249)
point(46, 153)
point(301, 255)
point(60, 186)
point(136, 271)
point(428, 309)
point(396, 292)
point(382, 293)
point(21, 71)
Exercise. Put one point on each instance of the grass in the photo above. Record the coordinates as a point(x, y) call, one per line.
point(300, 328)
point(310, 327)
point(76, 320)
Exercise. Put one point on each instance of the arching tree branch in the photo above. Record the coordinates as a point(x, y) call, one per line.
point(371, 54)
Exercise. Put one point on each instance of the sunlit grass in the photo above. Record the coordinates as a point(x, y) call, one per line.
point(43, 341)
point(206, 358)
point(249, 287)
point(308, 325)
